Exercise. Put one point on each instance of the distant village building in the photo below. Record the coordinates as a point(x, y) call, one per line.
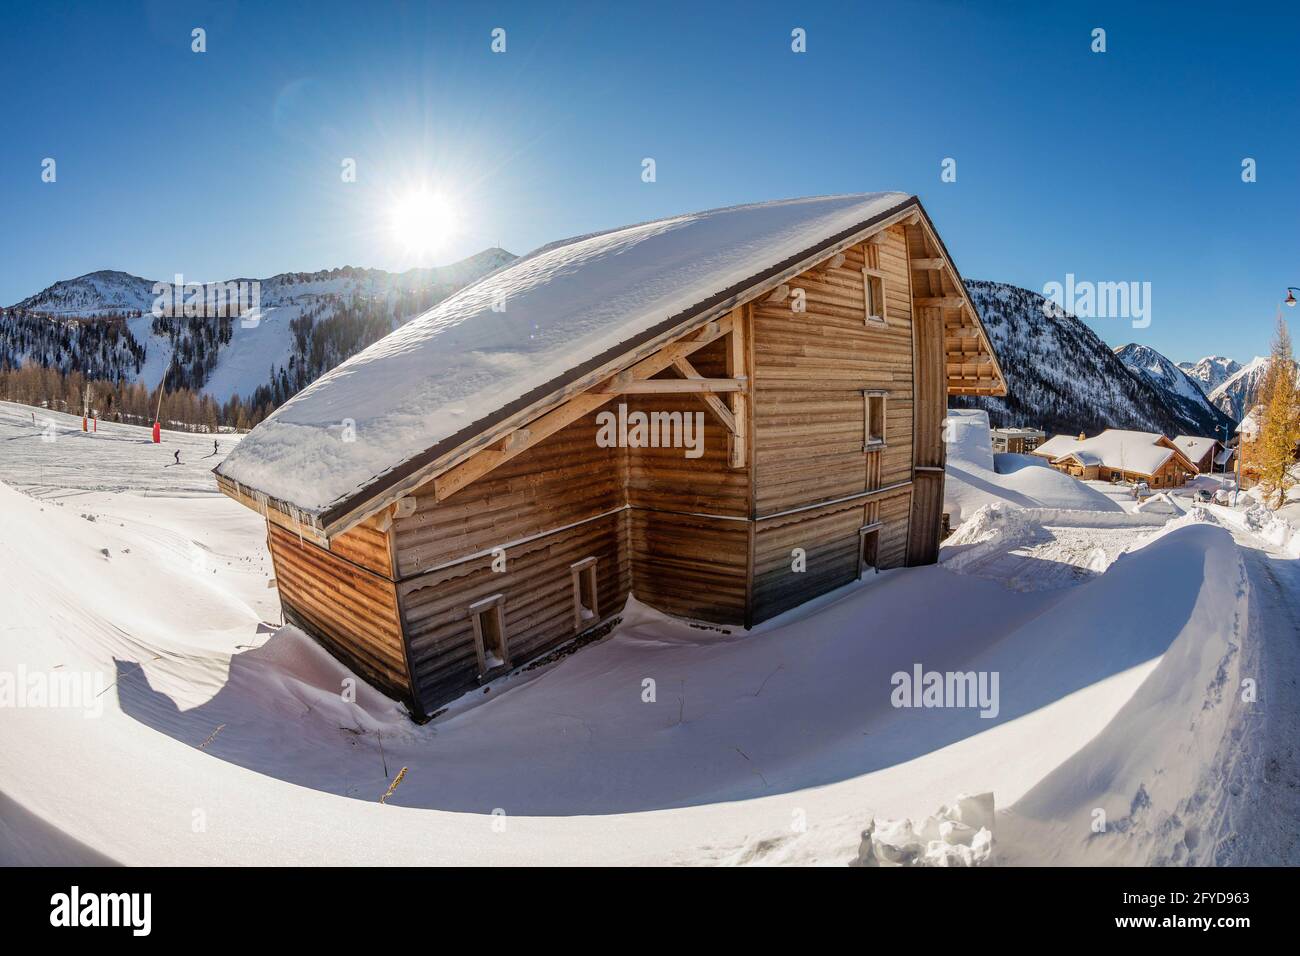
point(488, 482)
point(1019, 441)
point(1204, 453)
point(1119, 455)
point(1251, 424)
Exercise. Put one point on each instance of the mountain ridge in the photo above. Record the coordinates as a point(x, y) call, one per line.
point(1180, 390)
point(102, 325)
point(1061, 376)
point(1210, 371)
point(139, 294)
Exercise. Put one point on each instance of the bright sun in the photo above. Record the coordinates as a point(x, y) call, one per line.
point(422, 221)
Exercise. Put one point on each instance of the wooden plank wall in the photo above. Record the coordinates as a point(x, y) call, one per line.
point(558, 490)
point(664, 478)
point(688, 554)
point(828, 535)
point(353, 612)
point(365, 545)
point(894, 514)
point(931, 410)
point(810, 370)
point(538, 591)
point(692, 566)
point(564, 479)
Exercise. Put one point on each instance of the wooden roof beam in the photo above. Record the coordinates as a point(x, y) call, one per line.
point(539, 429)
point(670, 386)
point(715, 404)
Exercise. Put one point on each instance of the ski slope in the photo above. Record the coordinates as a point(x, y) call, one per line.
point(222, 738)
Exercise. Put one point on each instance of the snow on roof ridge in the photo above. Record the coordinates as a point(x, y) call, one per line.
point(510, 337)
point(561, 243)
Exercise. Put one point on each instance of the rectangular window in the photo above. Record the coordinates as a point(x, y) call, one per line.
point(873, 288)
point(586, 609)
point(869, 548)
point(873, 419)
point(490, 640)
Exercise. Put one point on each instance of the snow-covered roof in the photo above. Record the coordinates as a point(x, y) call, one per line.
point(1194, 447)
point(1252, 418)
point(564, 309)
point(1138, 452)
point(1225, 456)
point(1084, 457)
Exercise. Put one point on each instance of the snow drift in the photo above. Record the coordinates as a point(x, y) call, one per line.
point(973, 481)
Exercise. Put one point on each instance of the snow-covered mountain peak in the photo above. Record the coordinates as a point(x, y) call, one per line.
point(1180, 390)
point(1063, 378)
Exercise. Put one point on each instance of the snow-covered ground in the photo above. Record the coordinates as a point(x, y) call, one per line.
point(215, 736)
point(977, 477)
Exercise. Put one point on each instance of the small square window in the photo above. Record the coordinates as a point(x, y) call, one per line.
point(586, 609)
point(873, 419)
point(869, 548)
point(490, 641)
point(873, 288)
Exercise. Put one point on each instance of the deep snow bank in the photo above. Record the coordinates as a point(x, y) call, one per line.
point(1148, 789)
point(972, 480)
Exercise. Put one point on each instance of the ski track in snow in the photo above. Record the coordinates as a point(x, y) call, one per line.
point(114, 561)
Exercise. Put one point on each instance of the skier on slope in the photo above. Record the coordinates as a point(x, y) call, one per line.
point(214, 446)
point(178, 456)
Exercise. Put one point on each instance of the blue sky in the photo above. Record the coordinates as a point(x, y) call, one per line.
point(1121, 166)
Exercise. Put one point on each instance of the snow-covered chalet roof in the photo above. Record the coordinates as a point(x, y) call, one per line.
point(1138, 452)
point(437, 381)
point(1194, 447)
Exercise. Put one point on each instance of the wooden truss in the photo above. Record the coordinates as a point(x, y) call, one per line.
point(726, 398)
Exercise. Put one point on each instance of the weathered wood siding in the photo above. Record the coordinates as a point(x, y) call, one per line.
point(367, 546)
point(538, 593)
point(829, 536)
point(692, 566)
point(690, 556)
point(811, 369)
point(664, 478)
point(352, 611)
point(564, 479)
point(547, 509)
point(930, 450)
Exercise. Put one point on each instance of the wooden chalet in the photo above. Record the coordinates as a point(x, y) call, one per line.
point(475, 522)
point(1119, 455)
point(1204, 453)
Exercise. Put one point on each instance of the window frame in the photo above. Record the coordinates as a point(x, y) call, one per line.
point(480, 612)
point(868, 442)
point(585, 571)
point(870, 275)
point(869, 532)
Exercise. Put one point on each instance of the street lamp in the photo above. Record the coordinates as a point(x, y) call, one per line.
point(1224, 429)
point(1290, 295)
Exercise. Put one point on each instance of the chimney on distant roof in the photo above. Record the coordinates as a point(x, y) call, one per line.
point(1082, 436)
